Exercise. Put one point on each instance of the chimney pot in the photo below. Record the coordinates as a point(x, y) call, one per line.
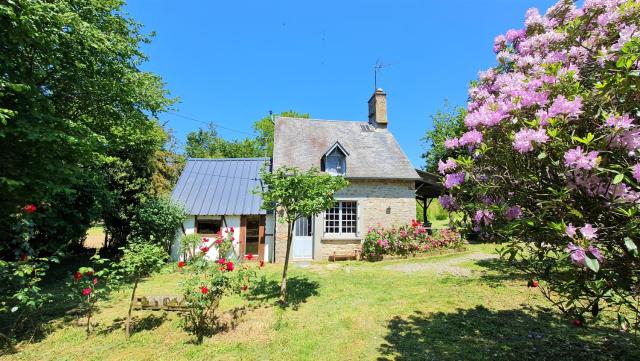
point(378, 109)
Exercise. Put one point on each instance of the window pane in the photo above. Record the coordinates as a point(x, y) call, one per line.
point(209, 226)
point(343, 218)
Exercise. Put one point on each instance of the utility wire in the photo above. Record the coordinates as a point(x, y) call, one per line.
point(206, 122)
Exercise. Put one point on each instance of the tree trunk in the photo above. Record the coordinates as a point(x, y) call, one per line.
point(133, 295)
point(283, 286)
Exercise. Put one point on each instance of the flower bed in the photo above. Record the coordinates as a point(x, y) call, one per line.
point(407, 240)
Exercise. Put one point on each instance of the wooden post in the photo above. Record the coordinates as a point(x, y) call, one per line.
point(261, 237)
point(243, 235)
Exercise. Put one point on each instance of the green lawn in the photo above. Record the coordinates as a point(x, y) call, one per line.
point(453, 307)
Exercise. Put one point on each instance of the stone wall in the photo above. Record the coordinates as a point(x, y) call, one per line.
point(384, 202)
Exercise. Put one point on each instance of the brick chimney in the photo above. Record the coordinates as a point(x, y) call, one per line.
point(378, 109)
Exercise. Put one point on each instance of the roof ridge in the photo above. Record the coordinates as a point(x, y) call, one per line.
point(231, 159)
point(327, 120)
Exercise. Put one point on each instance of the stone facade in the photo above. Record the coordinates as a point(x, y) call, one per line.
point(384, 202)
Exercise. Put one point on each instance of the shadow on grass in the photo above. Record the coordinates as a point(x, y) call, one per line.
point(496, 271)
point(298, 290)
point(483, 334)
point(148, 323)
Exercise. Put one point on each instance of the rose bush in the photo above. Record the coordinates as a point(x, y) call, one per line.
point(88, 286)
point(549, 162)
point(207, 282)
point(407, 240)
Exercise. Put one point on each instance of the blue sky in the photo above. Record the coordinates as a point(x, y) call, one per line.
point(231, 62)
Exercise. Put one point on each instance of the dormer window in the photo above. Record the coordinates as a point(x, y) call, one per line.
point(335, 160)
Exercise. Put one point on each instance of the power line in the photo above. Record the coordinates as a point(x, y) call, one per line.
point(206, 122)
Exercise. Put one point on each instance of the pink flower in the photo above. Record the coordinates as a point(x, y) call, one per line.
point(452, 180)
point(514, 212)
point(471, 137)
point(451, 143)
point(596, 253)
point(571, 108)
point(229, 266)
point(576, 253)
point(204, 249)
point(524, 139)
point(636, 172)
point(77, 276)
point(576, 158)
point(450, 164)
point(588, 231)
point(570, 230)
point(619, 122)
point(222, 261)
point(86, 291)
point(483, 216)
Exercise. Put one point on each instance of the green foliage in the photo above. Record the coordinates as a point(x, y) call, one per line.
point(138, 260)
point(189, 245)
point(435, 211)
point(157, 220)
point(446, 123)
point(207, 283)
point(89, 286)
point(77, 126)
point(206, 143)
point(294, 194)
point(265, 129)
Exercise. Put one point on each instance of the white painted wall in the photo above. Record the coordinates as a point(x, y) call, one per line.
point(232, 222)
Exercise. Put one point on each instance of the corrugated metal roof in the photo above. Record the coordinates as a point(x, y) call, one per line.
point(220, 186)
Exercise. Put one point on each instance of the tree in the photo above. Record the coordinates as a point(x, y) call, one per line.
point(139, 260)
point(446, 123)
point(296, 194)
point(77, 115)
point(157, 221)
point(208, 144)
point(265, 129)
point(549, 162)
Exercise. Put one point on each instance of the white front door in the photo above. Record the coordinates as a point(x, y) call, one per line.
point(303, 238)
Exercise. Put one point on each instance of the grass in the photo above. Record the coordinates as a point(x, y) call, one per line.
point(354, 311)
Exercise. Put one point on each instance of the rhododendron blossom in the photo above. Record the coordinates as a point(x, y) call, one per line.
point(553, 127)
point(576, 158)
point(524, 139)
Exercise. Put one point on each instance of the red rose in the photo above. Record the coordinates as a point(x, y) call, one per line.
point(577, 322)
point(222, 261)
point(204, 249)
point(204, 240)
point(23, 257)
point(204, 290)
point(245, 287)
point(535, 283)
point(88, 273)
point(86, 291)
point(231, 230)
point(218, 241)
point(181, 264)
point(249, 256)
point(30, 208)
point(95, 280)
point(261, 263)
point(229, 266)
point(77, 276)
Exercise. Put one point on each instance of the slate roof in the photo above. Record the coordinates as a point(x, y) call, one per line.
point(373, 153)
point(220, 186)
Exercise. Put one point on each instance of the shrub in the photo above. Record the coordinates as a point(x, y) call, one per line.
point(157, 220)
point(549, 163)
point(207, 283)
point(407, 240)
point(138, 260)
point(189, 245)
point(89, 286)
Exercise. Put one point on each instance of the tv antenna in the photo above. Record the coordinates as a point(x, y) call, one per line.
point(376, 68)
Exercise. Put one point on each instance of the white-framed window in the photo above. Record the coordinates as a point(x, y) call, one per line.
point(335, 163)
point(342, 219)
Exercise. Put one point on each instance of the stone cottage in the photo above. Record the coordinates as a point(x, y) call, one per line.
point(381, 179)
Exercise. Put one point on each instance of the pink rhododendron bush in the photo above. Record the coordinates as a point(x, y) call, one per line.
point(550, 162)
point(407, 240)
